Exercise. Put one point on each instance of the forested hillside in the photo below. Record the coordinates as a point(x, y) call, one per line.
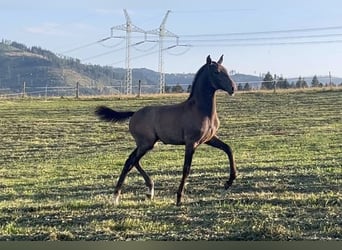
point(38, 68)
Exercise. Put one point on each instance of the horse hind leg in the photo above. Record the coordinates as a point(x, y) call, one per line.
point(133, 160)
point(148, 181)
point(127, 167)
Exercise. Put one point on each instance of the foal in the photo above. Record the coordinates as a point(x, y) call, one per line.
point(190, 123)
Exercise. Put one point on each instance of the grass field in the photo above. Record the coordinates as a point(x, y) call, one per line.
point(59, 164)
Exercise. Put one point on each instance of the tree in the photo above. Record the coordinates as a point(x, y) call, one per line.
point(177, 89)
point(167, 89)
point(240, 87)
point(301, 83)
point(283, 83)
point(267, 83)
point(19, 46)
point(315, 82)
point(247, 87)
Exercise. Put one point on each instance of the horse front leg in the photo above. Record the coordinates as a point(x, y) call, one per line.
point(189, 151)
point(217, 143)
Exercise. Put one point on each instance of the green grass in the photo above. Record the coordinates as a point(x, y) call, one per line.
point(59, 164)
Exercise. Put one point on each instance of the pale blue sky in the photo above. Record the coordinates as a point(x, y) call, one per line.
point(301, 37)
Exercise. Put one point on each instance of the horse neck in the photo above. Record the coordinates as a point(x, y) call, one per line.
point(203, 95)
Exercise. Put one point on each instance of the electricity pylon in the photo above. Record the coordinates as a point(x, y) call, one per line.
point(162, 32)
point(129, 27)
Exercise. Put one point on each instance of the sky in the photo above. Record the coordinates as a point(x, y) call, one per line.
point(288, 38)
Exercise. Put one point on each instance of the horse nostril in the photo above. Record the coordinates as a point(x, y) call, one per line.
point(233, 87)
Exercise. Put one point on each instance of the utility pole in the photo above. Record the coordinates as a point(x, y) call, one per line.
point(128, 27)
point(162, 32)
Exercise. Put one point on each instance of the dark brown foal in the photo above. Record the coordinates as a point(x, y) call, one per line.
point(190, 123)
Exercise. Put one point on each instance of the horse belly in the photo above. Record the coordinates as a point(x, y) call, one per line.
point(185, 128)
point(171, 133)
point(171, 140)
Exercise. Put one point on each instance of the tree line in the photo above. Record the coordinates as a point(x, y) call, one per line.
point(268, 82)
point(275, 82)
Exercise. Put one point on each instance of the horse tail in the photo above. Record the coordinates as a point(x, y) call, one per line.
point(110, 115)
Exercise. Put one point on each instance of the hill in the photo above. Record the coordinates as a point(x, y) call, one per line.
point(40, 68)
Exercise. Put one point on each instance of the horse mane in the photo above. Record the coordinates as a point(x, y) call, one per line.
point(193, 85)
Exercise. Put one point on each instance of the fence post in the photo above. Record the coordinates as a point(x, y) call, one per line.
point(24, 89)
point(139, 88)
point(77, 90)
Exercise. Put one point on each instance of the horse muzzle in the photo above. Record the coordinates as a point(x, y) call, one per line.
point(233, 89)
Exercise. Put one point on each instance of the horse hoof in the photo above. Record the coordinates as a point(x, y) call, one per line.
point(150, 193)
point(116, 200)
point(228, 184)
point(179, 200)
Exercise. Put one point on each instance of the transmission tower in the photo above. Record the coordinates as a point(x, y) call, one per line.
point(128, 27)
point(162, 32)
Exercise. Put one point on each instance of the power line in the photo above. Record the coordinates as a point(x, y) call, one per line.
point(147, 54)
point(263, 38)
point(265, 32)
point(212, 11)
point(111, 46)
point(266, 44)
point(112, 51)
point(85, 45)
point(240, 39)
point(286, 37)
point(189, 46)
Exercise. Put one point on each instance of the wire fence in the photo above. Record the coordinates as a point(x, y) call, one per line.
point(137, 89)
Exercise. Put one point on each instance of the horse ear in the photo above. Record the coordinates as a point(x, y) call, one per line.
point(220, 60)
point(208, 60)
